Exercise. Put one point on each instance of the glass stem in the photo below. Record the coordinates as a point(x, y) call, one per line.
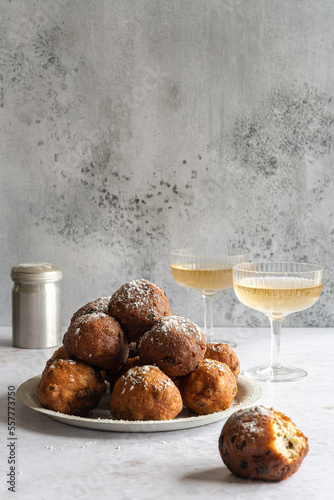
point(208, 316)
point(276, 328)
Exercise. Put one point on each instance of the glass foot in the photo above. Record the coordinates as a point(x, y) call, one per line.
point(270, 374)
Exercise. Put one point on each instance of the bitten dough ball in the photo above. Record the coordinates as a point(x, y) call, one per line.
point(70, 387)
point(210, 388)
point(98, 340)
point(145, 393)
point(225, 354)
point(95, 306)
point(136, 305)
point(175, 344)
point(261, 443)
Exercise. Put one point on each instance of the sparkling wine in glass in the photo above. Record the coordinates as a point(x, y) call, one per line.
point(208, 271)
point(277, 289)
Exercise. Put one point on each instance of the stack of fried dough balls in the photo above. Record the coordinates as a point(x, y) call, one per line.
point(155, 362)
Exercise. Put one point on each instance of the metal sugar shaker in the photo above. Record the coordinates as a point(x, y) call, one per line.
point(36, 305)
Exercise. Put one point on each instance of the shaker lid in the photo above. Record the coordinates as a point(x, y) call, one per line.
point(36, 272)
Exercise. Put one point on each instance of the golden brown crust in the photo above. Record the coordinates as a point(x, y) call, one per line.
point(175, 344)
point(145, 393)
point(136, 305)
point(98, 340)
point(95, 306)
point(70, 387)
point(210, 388)
point(225, 354)
point(60, 353)
point(261, 443)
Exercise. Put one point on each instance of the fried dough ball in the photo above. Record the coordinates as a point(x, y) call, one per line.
point(98, 340)
point(70, 387)
point(210, 388)
point(225, 354)
point(95, 306)
point(261, 443)
point(136, 305)
point(145, 393)
point(175, 344)
point(60, 353)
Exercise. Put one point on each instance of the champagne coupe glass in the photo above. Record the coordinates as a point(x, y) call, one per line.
point(277, 289)
point(207, 270)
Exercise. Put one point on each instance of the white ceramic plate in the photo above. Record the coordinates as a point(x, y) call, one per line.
point(99, 419)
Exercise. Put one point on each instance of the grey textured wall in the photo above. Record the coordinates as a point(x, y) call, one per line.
point(130, 127)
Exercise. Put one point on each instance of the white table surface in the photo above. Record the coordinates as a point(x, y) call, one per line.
point(58, 461)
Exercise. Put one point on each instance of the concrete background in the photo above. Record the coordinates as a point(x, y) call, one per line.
point(129, 128)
